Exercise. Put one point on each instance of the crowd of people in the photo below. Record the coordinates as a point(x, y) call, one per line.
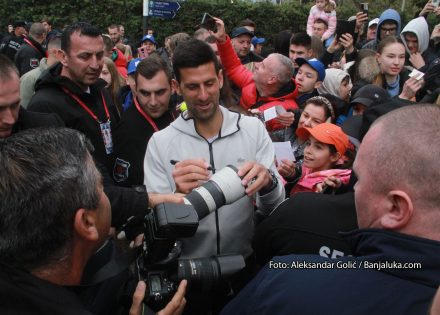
point(333, 138)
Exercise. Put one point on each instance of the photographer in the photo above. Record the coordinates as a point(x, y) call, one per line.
point(55, 216)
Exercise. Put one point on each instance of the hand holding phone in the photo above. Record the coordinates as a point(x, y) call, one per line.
point(208, 22)
point(142, 52)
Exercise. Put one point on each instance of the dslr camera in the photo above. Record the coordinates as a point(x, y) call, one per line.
point(159, 264)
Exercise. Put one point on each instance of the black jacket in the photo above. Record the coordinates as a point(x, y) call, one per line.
point(307, 223)
point(29, 120)
point(29, 55)
point(50, 98)
point(10, 45)
point(131, 137)
point(22, 293)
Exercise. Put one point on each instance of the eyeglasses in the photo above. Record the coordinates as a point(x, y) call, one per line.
point(388, 30)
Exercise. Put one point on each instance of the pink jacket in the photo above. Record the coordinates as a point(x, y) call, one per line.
point(330, 18)
point(308, 180)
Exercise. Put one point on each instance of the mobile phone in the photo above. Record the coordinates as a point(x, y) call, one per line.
point(343, 26)
point(142, 53)
point(435, 3)
point(208, 22)
point(364, 7)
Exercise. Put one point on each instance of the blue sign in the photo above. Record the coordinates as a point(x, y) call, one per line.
point(163, 9)
point(165, 5)
point(162, 13)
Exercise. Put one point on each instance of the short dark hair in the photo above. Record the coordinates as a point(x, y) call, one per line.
point(114, 26)
point(83, 28)
point(247, 22)
point(47, 175)
point(301, 39)
point(7, 67)
point(150, 66)
point(321, 21)
point(192, 54)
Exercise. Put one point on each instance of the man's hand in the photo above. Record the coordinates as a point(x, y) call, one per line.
point(428, 8)
point(155, 198)
point(361, 18)
point(174, 307)
point(346, 41)
point(334, 46)
point(417, 60)
point(254, 177)
point(286, 119)
point(190, 174)
point(410, 88)
point(220, 35)
point(287, 169)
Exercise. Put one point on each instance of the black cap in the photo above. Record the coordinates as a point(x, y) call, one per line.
point(368, 94)
point(240, 31)
point(357, 126)
point(19, 24)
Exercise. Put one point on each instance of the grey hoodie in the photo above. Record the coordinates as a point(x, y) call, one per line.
point(240, 139)
point(420, 28)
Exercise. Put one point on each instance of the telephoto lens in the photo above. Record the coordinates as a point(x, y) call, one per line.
point(224, 187)
point(205, 274)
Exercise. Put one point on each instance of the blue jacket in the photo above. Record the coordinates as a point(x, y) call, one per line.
point(349, 285)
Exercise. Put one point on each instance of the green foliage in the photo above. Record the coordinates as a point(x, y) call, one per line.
point(270, 18)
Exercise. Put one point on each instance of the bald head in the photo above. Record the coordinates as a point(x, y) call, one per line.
point(407, 151)
point(398, 167)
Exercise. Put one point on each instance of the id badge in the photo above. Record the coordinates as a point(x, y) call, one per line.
point(107, 137)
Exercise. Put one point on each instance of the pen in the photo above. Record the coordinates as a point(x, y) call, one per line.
point(174, 162)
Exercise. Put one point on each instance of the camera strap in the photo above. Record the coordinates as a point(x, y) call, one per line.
point(114, 267)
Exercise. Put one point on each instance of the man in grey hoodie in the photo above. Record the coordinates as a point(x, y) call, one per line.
point(415, 36)
point(389, 25)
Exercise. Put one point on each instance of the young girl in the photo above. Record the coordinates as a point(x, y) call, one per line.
point(325, 10)
point(317, 110)
point(391, 59)
point(114, 80)
point(326, 146)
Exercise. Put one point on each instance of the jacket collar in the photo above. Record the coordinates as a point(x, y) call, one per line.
point(380, 246)
point(230, 124)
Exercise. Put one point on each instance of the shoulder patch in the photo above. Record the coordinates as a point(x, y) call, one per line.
point(120, 170)
point(34, 62)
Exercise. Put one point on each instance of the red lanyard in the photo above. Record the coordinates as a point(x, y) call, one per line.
point(81, 103)
point(33, 46)
point(148, 118)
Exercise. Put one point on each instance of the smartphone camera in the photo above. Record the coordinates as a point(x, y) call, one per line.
point(364, 7)
point(208, 22)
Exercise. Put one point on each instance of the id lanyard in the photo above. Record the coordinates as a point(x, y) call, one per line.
point(147, 118)
point(105, 128)
point(33, 46)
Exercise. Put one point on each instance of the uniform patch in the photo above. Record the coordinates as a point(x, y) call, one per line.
point(120, 170)
point(34, 62)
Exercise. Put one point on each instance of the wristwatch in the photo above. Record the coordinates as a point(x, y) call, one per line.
point(274, 178)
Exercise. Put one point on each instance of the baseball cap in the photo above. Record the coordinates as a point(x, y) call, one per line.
point(133, 65)
point(149, 38)
point(373, 22)
point(368, 94)
point(19, 24)
point(258, 40)
point(326, 133)
point(317, 65)
point(240, 31)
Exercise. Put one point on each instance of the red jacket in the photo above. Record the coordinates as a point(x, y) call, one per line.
point(243, 78)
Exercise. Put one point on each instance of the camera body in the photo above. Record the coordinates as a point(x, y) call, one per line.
point(159, 264)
